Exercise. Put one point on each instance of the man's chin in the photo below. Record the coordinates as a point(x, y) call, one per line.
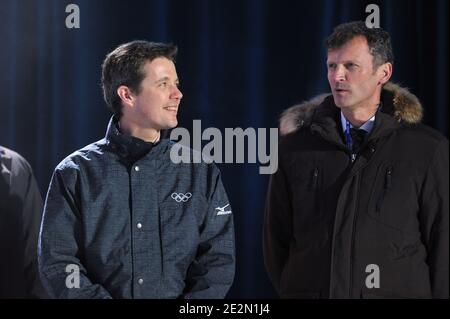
point(170, 125)
point(340, 103)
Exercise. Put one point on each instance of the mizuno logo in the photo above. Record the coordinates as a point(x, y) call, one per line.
point(222, 211)
point(180, 197)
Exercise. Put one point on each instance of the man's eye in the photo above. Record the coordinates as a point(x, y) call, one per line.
point(163, 84)
point(331, 66)
point(350, 65)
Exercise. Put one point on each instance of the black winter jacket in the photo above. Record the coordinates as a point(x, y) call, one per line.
point(20, 218)
point(329, 222)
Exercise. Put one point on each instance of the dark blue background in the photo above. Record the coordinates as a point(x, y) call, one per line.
point(240, 64)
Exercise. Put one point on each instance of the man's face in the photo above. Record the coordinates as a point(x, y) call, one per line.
point(157, 103)
point(353, 81)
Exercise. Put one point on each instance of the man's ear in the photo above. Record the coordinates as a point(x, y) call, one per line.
point(385, 72)
point(125, 95)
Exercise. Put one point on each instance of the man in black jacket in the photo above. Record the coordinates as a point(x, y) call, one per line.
point(20, 217)
point(359, 205)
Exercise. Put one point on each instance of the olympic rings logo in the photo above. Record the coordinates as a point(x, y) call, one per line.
point(180, 197)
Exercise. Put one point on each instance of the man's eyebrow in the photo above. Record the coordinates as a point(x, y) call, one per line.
point(343, 62)
point(166, 78)
point(351, 61)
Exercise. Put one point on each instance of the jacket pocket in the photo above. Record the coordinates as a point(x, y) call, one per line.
point(307, 198)
point(393, 197)
point(180, 228)
point(386, 186)
point(315, 179)
point(182, 207)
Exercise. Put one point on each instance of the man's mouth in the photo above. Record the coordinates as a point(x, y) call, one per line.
point(172, 108)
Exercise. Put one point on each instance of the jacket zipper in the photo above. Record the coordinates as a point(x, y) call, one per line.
point(373, 150)
point(355, 215)
point(387, 185)
point(315, 179)
point(315, 187)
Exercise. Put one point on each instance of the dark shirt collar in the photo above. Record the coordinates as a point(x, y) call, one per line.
point(326, 120)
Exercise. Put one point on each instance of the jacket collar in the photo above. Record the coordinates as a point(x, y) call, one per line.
point(322, 115)
point(124, 145)
point(5, 165)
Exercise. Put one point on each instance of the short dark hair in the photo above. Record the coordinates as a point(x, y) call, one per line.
point(124, 66)
point(378, 40)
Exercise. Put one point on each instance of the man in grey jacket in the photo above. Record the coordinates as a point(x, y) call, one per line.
point(121, 220)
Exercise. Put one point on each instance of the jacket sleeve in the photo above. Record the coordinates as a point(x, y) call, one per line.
point(32, 213)
point(212, 272)
point(59, 256)
point(277, 232)
point(434, 220)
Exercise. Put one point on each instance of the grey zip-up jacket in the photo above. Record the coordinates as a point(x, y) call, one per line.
point(153, 229)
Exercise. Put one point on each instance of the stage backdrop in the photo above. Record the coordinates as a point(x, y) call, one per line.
point(240, 64)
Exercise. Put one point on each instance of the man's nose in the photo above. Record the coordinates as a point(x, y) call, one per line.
point(339, 74)
point(176, 93)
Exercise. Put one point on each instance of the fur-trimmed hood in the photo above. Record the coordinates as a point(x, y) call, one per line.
point(406, 108)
